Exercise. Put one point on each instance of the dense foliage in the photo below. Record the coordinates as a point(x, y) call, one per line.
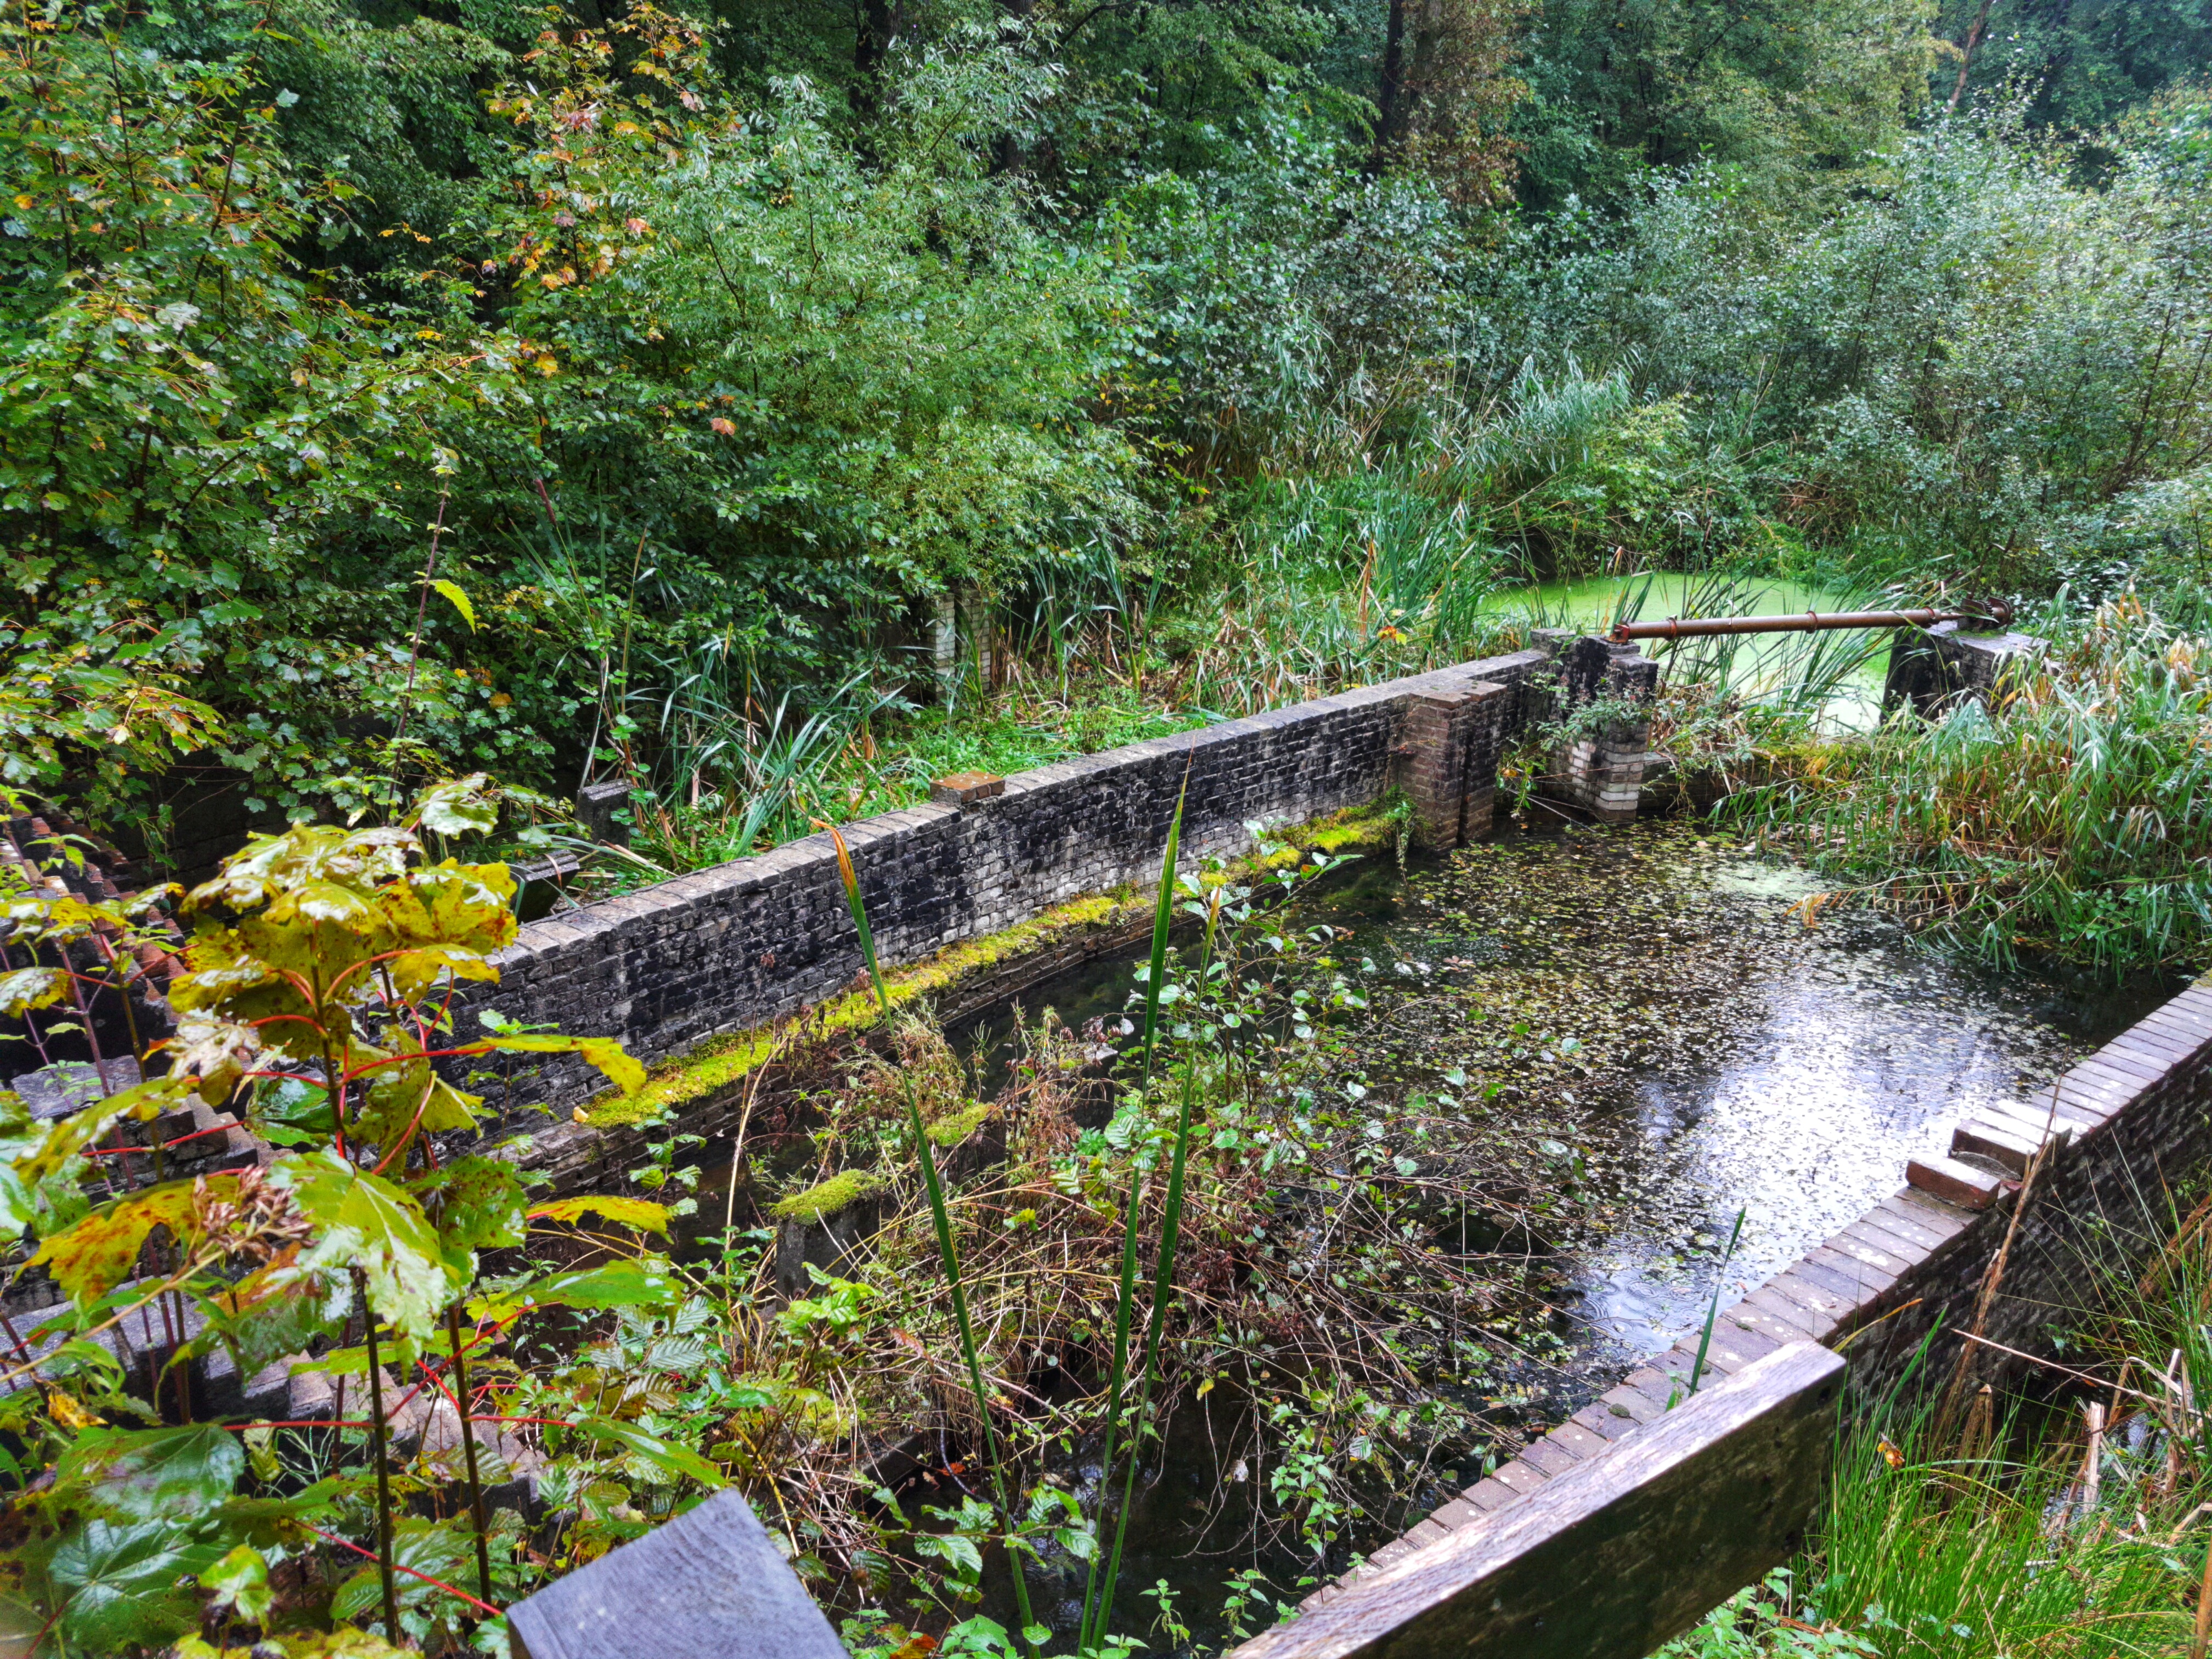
point(391, 395)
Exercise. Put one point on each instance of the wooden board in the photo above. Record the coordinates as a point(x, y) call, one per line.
point(709, 1585)
point(1614, 1558)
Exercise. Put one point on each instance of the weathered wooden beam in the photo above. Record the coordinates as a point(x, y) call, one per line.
point(1616, 1556)
point(709, 1585)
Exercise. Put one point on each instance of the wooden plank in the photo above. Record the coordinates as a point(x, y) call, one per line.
point(709, 1585)
point(1616, 1557)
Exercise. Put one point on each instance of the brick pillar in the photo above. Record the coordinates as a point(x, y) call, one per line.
point(1934, 669)
point(1602, 765)
point(1446, 761)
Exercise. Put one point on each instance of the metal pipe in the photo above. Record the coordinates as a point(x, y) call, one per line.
point(1809, 622)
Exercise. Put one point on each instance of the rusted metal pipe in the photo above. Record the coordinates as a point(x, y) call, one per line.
point(1807, 621)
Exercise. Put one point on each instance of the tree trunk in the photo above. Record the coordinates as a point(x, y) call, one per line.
point(1390, 102)
point(871, 45)
point(1006, 148)
point(1966, 53)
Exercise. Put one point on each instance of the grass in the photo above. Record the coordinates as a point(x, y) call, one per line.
point(2074, 816)
point(2065, 1520)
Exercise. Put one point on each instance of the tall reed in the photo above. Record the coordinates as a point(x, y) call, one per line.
point(1163, 1275)
point(1096, 1607)
point(947, 1250)
point(2075, 814)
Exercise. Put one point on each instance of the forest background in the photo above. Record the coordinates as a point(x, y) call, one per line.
point(391, 392)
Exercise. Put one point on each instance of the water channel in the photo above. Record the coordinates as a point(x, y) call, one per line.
point(1652, 1040)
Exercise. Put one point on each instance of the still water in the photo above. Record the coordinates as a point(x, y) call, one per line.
point(1652, 1041)
point(1857, 662)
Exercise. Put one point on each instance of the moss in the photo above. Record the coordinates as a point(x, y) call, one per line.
point(840, 1192)
point(952, 1130)
point(722, 1062)
point(719, 1062)
point(1372, 828)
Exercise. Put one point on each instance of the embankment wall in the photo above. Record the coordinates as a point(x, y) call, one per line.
point(750, 941)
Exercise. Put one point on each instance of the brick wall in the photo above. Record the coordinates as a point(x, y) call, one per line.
point(750, 941)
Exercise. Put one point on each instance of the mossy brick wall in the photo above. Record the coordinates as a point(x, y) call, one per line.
point(750, 941)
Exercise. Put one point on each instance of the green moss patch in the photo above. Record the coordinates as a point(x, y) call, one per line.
point(952, 1130)
point(840, 1192)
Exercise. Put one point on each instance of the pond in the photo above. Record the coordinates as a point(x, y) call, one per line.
point(1640, 1037)
point(1855, 662)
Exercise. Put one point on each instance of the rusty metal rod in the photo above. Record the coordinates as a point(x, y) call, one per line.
point(1807, 621)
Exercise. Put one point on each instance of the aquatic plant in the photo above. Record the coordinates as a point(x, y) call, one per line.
point(2071, 812)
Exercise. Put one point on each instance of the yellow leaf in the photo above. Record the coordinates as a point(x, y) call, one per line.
point(451, 591)
point(637, 1213)
point(98, 1252)
point(67, 1412)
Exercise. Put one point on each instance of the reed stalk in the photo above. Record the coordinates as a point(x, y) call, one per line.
point(1713, 1313)
point(1163, 1276)
point(946, 1249)
point(1092, 1628)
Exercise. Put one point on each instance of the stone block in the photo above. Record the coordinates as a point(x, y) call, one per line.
point(1933, 670)
point(1955, 1181)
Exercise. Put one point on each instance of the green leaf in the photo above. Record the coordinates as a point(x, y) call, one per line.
point(641, 1213)
point(170, 1474)
point(451, 591)
point(436, 1549)
point(457, 805)
point(240, 1583)
point(122, 1585)
point(70, 1135)
point(475, 1203)
point(958, 1552)
point(619, 1284)
point(671, 1459)
point(365, 1222)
